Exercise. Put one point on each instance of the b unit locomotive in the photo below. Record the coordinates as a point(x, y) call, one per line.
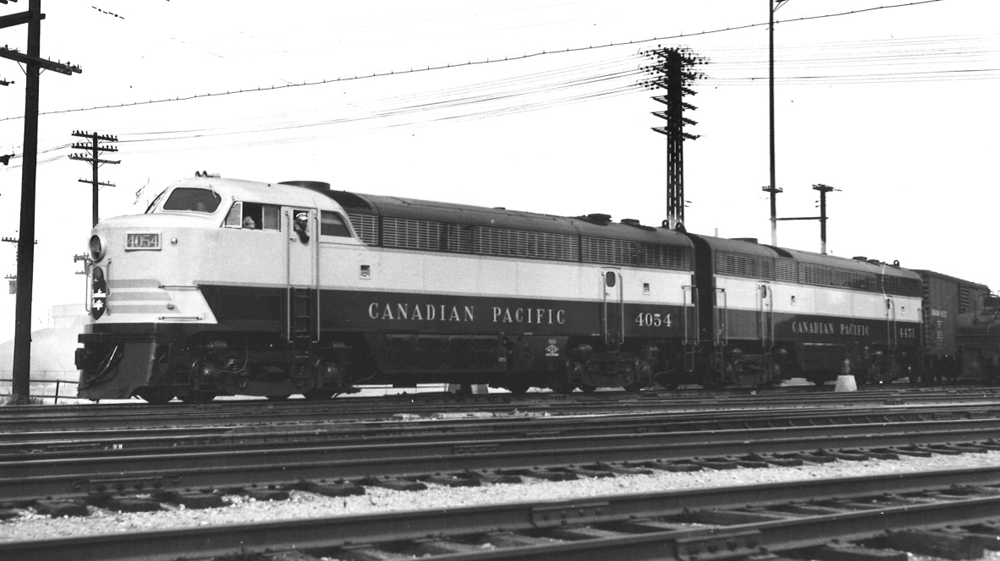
point(272, 289)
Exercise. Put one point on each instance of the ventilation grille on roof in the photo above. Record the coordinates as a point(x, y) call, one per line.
point(424, 234)
point(740, 265)
point(518, 243)
point(366, 225)
point(642, 254)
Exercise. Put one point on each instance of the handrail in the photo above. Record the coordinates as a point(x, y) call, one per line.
point(55, 397)
point(317, 225)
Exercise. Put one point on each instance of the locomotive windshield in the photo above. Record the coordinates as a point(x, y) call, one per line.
point(195, 200)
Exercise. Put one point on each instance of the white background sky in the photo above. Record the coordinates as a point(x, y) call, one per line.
point(896, 107)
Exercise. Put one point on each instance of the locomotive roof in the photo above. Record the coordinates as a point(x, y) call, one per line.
point(258, 192)
point(739, 246)
point(398, 207)
point(746, 247)
point(878, 268)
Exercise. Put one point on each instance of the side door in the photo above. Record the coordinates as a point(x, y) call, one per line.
point(765, 315)
point(302, 272)
point(612, 308)
point(890, 320)
point(892, 338)
point(765, 324)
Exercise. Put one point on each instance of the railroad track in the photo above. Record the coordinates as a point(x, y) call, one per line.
point(471, 425)
point(950, 513)
point(16, 419)
point(451, 457)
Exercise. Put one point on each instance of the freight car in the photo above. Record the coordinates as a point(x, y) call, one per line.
point(271, 289)
point(961, 336)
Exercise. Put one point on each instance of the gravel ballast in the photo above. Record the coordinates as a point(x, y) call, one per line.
point(241, 509)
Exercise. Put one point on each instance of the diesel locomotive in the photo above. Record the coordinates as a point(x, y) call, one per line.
point(271, 289)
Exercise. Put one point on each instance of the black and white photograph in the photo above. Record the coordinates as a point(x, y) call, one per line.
point(499, 279)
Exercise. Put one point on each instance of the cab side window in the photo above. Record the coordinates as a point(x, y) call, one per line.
point(332, 224)
point(270, 217)
point(235, 216)
point(253, 216)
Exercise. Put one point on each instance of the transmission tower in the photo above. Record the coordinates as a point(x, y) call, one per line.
point(94, 158)
point(674, 71)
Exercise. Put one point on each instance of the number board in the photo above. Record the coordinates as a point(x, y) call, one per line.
point(142, 241)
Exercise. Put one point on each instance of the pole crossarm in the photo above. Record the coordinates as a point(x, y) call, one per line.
point(83, 158)
point(18, 19)
point(78, 146)
point(823, 190)
point(46, 64)
point(93, 135)
point(101, 183)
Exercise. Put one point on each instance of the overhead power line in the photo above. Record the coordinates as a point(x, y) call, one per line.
point(492, 60)
point(593, 80)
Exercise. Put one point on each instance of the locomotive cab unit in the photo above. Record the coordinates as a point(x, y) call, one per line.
point(272, 289)
point(191, 298)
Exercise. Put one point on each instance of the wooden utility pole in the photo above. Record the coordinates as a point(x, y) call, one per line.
point(33, 65)
point(13, 278)
point(823, 190)
point(95, 160)
point(773, 189)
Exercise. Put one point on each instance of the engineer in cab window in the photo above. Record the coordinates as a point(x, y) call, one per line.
point(301, 226)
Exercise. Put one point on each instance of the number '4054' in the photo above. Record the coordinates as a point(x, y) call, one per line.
point(648, 319)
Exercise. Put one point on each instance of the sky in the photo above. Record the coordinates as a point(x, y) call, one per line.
point(531, 105)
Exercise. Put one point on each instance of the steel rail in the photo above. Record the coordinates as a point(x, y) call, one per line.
point(69, 417)
point(222, 420)
point(777, 534)
point(31, 479)
point(144, 441)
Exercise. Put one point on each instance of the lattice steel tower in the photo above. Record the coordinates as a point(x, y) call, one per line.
point(674, 71)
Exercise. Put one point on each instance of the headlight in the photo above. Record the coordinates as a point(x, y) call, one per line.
point(97, 248)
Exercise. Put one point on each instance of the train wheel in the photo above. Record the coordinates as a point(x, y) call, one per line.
point(587, 388)
point(563, 388)
point(316, 395)
point(633, 388)
point(668, 383)
point(196, 398)
point(281, 397)
point(156, 396)
point(519, 389)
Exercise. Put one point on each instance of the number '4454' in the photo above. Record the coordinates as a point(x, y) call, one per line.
point(647, 319)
